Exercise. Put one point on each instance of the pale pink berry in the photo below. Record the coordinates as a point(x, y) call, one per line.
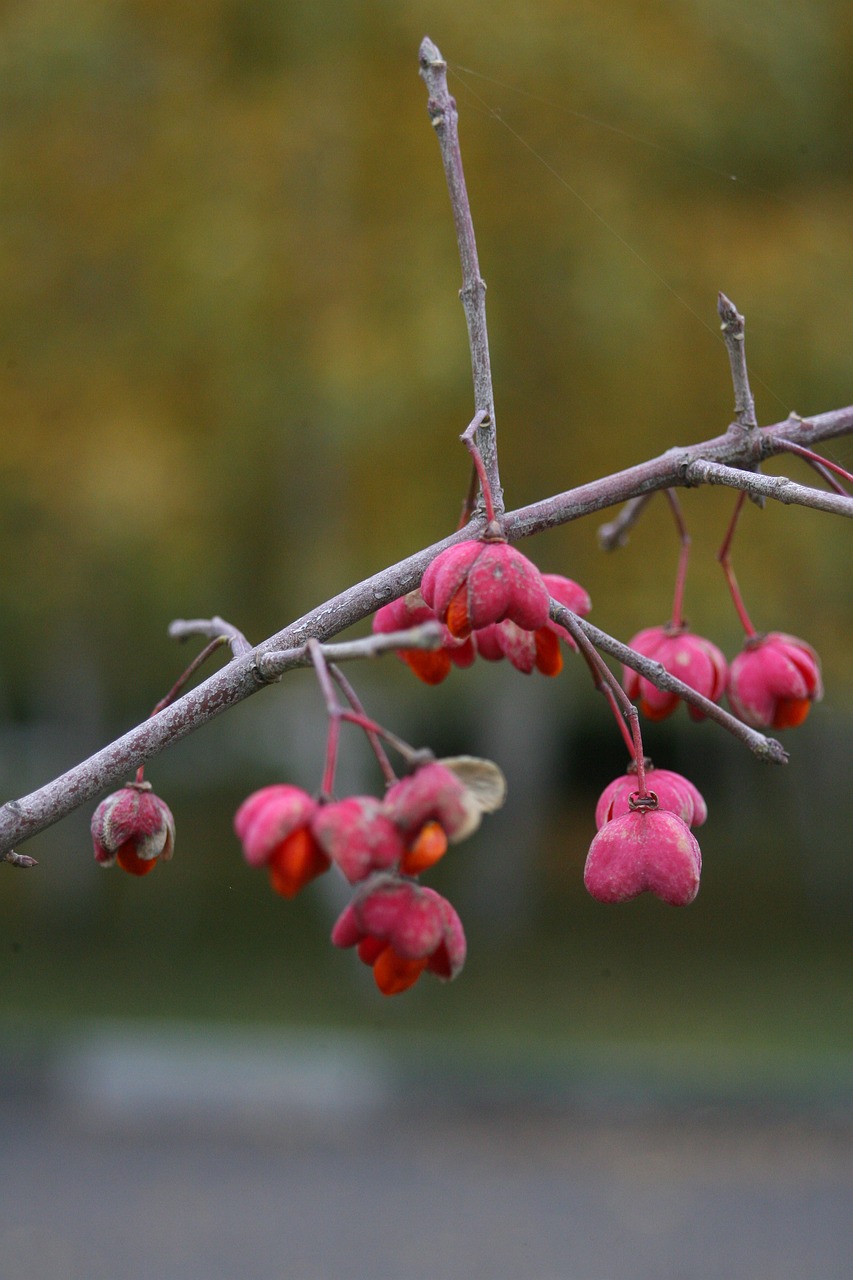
point(475, 583)
point(647, 850)
point(402, 929)
point(692, 659)
point(430, 665)
point(134, 828)
point(358, 836)
point(774, 680)
point(674, 793)
point(274, 828)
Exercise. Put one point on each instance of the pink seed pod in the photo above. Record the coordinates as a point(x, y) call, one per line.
point(134, 828)
point(537, 650)
point(645, 851)
point(430, 665)
point(674, 793)
point(274, 828)
point(475, 583)
point(774, 680)
point(570, 593)
point(269, 816)
point(690, 658)
point(358, 836)
point(433, 793)
point(527, 650)
point(402, 929)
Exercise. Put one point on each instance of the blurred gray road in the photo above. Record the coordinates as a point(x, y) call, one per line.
point(385, 1189)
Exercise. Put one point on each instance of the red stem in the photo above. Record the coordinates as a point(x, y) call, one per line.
point(333, 710)
point(620, 704)
point(467, 437)
point(820, 463)
point(725, 563)
point(198, 661)
point(639, 758)
point(677, 620)
point(372, 736)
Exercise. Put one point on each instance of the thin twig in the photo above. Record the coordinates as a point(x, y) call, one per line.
point(469, 439)
point(333, 711)
point(21, 860)
point(725, 560)
point(734, 335)
point(615, 533)
point(733, 327)
point(445, 119)
point(765, 748)
point(427, 635)
point(184, 678)
point(779, 488)
point(182, 629)
point(683, 465)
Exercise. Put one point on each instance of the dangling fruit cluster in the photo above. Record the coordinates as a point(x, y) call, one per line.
point(400, 928)
point(493, 603)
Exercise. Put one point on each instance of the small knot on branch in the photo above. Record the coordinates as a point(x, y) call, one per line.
point(19, 859)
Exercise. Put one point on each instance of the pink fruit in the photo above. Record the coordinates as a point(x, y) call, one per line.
point(644, 851)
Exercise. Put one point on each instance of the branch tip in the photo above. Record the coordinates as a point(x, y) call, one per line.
point(429, 54)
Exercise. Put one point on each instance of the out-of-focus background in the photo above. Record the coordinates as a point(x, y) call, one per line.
point(233, 373)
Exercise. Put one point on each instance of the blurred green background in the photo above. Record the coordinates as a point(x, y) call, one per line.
point(234, 369)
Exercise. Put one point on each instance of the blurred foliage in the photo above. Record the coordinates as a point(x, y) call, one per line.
point(234, 365)
point(231, 335)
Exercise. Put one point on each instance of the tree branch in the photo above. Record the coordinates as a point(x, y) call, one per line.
point(244, 675)
point(672, 470)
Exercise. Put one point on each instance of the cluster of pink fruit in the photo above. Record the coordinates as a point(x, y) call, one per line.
point(771, 684)
point(492, 601)
point(644, 842)
point(399, 927)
